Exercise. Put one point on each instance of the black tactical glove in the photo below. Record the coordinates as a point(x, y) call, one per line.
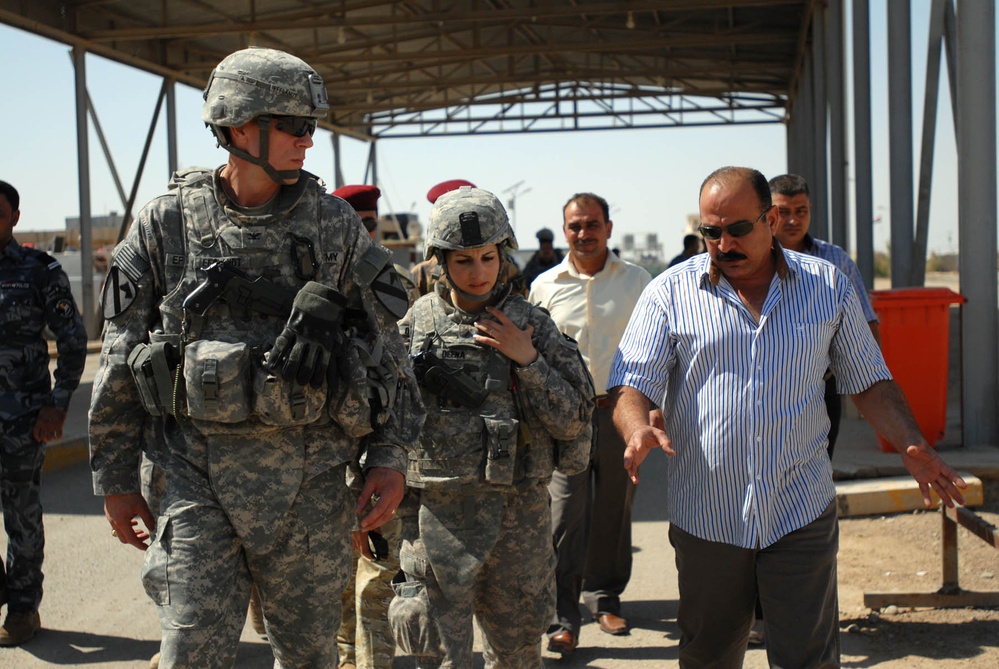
point(304, 351)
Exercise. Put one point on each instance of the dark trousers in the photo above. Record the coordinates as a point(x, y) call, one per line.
point(21, 459)
point(596, 503)
point(795, 579)
point(571, 504)
point(834, 407)
point(608, 560)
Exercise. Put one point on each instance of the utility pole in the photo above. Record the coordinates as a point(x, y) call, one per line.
point(513, 192)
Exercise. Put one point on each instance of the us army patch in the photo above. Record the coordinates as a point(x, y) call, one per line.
point(122, 284)
point(119, 293)
point(389, 290)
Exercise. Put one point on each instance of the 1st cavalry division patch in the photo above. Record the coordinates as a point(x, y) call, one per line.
point(122, 284)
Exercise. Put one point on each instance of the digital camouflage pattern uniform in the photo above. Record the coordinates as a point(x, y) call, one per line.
point(251, 487)
point(365, 639)
point(484, 543)
point(34, 293)
point(254, 462)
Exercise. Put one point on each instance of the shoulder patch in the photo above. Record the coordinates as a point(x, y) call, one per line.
point(65, 309)
point(119, 293)
point(130, 262)
point(388, 289)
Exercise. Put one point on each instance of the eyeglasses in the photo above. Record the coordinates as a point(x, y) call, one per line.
point(296, 126)
point(737, 229)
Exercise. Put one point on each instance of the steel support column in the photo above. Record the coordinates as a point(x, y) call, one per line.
point(791, 124)
point(900, 140)
point(976, 197)
point(863, 189)
point(88, 308)
point(819, 182)
point(337, 171)
point(173, 158)
point(836, 86)
point(373, 163)
point(930, 98)
point(805, 109)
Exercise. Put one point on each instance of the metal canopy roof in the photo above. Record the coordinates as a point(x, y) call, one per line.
point(439, 67)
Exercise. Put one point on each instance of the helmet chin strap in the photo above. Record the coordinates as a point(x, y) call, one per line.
point(280, 177)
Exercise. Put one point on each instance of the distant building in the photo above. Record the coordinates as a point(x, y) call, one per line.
point(104, 234)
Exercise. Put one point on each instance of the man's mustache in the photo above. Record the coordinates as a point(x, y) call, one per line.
point(732, 255)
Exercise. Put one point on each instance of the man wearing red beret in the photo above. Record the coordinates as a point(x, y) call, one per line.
point(364, 199)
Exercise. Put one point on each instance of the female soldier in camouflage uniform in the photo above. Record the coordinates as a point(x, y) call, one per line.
point(501, 385)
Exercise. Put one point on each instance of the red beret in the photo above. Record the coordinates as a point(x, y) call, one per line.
point(446, 187)
point(360, 196)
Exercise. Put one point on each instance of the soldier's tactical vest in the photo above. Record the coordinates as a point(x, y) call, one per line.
point(493, 442)
point(223, 386)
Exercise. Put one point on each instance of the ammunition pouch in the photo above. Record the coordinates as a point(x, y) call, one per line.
point(502, 437)
point(216, 376)
point(219, 385)
point(154, 369)
point(455, 458)
point(283, 403)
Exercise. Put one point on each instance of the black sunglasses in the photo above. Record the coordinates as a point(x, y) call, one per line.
point(297, 126)
point(737, 229)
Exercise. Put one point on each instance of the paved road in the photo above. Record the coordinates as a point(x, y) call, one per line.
point(95, 613)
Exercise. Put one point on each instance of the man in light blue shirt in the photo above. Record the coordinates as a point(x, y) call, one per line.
point(734, 346)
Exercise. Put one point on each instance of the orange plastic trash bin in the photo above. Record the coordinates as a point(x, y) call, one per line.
point(915, 340)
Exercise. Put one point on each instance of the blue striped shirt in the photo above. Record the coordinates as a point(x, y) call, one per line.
point(743, 401)
point(845, 264)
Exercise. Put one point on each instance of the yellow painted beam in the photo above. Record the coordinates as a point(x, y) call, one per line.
point(897, 494)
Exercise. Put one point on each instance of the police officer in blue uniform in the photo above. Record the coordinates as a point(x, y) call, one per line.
point(34, 293)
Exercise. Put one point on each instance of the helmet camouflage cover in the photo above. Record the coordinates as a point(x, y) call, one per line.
point(467, 218)
point(257, 81)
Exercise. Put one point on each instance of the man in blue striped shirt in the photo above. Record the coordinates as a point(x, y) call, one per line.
point(794, 217)
point(734, 345)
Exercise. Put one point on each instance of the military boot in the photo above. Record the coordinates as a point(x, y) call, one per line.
point(19, 627)
point(154, 661)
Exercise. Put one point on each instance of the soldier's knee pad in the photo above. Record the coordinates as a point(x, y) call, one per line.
point(409, 617)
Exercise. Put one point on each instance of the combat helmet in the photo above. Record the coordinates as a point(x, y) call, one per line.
point(261, 83)
point(468, 218)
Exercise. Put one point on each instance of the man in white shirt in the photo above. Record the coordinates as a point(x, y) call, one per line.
point(590, 295)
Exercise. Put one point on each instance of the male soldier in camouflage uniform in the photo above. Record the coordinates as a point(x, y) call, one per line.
point(231, 307)
point(501, 385)
point(34, 292)
point(365, 639)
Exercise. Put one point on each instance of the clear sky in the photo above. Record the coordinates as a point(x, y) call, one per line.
point(650, 177)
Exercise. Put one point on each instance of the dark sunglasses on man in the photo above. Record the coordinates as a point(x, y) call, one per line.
point(737, 229)
point(296, 126)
